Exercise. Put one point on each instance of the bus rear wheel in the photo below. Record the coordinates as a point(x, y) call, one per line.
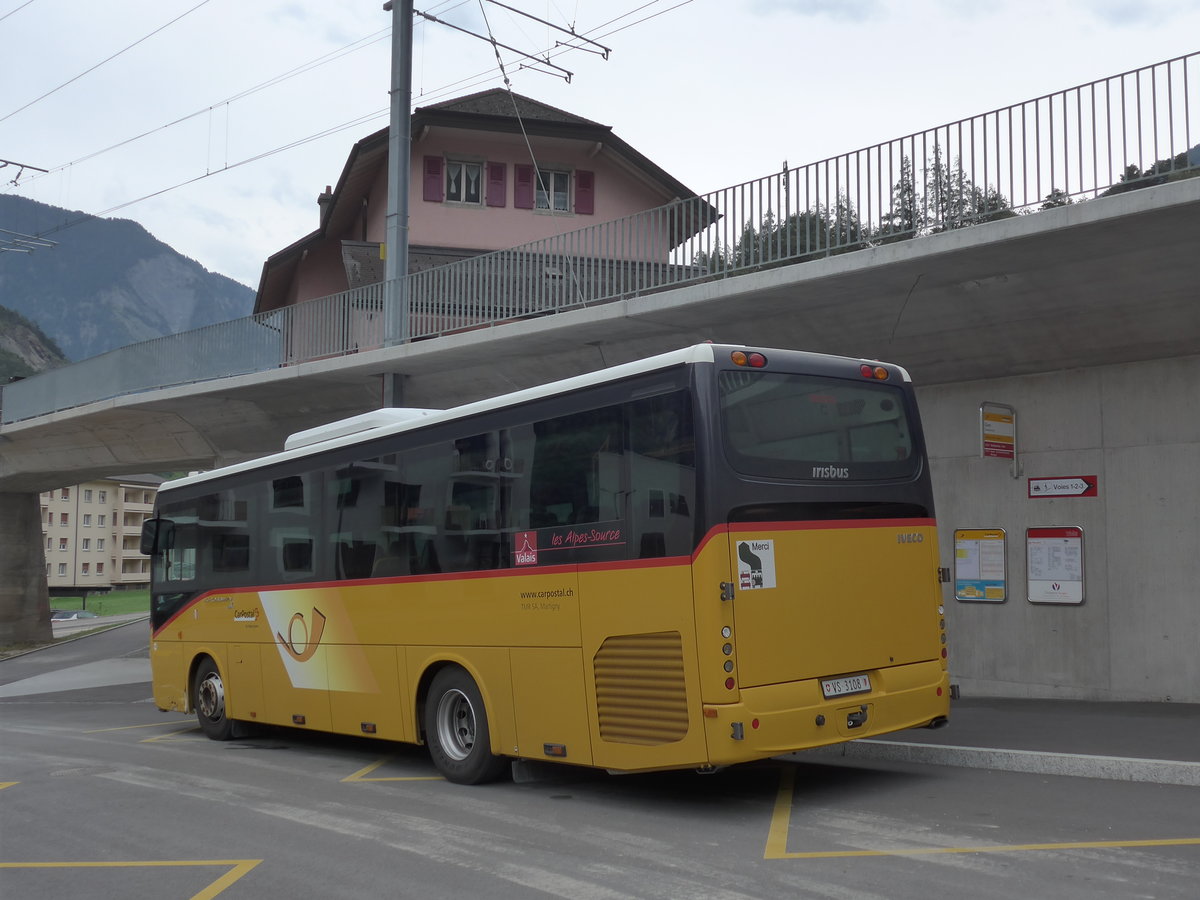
point(208, 698)
point(456, 729)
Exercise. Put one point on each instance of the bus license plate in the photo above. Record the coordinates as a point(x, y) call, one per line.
point(847, 684)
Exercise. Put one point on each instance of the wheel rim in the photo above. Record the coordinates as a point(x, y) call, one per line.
point(456, 724)
point(210, 697)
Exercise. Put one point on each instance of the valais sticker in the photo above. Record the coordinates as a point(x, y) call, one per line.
point(526, 553)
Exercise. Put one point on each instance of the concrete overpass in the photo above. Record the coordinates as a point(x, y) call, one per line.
point(1110, 281)
point(1085, 317)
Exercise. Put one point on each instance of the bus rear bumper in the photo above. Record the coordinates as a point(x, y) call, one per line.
point(781, 718)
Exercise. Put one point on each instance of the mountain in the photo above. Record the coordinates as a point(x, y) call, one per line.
point(24, 348)
point(108, 282)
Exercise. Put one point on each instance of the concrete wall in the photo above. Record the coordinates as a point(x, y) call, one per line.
point(1135, 426)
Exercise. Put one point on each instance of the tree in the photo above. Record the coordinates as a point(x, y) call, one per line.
point(956, 202)
point(906, 218)
point(822, 231)
point(1056, 198)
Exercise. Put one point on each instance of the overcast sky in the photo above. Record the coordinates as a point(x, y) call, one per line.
point(717, 92)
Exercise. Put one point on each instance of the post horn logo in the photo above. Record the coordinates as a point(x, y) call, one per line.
point(303, 649)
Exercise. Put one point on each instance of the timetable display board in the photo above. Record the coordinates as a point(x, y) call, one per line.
point(980, 567)
point(1054, 564)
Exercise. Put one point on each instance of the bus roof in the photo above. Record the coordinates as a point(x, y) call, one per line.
point(389, 421)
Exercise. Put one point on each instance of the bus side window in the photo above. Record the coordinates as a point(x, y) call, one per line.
point(577, 469)
point(294, 513)
point(662, 474)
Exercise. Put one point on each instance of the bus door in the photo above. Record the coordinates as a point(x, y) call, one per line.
point(829, 598)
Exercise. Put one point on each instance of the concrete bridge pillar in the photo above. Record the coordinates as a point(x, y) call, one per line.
point(24, 600)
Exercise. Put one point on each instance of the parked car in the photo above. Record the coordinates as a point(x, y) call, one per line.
point(64, 615)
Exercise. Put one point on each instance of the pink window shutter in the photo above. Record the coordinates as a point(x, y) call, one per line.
point(433, 179)
point(497, 184)
point(585, 193)
point(523, 187)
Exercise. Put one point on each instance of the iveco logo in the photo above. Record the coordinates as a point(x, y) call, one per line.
point(913, 537)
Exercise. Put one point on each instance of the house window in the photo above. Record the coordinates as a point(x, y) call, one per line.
point(87, 520)
point(87, 496)
point(62, 543)
point(64, 519)
point(553, 190)
point(86, 544)
point(50, 518)
point(85, 569)
point(49, 543)
point(62, 569)
point(99, 568)
point(66, 493)
point(99, 543)
point(102, 497)
point(463, 181)
point(100, 520)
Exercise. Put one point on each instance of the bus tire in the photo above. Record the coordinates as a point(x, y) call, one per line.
point(209, 701)
point(456, 729)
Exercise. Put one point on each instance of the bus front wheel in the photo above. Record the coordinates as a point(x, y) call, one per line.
point(456, 729)
point(208, 693)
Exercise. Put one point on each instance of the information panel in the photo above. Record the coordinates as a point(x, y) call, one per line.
point(1054, 558)
point(998, 430)
point(980, 570)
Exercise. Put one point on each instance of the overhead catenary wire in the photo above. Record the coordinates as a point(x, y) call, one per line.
point(468, 82)
point(102, 62)
point(18, 9)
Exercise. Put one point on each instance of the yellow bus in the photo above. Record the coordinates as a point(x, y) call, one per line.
point(711, 556)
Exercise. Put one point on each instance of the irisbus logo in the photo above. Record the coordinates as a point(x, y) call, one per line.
point(830, 472)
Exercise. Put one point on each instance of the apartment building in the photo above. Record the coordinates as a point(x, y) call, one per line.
point(92, 533)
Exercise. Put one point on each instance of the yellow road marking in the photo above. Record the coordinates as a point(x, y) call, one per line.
point(361, 774)
point(166, 738)
point(781, 820)
point(4, 784)
point(239, 867)
point(130, 727)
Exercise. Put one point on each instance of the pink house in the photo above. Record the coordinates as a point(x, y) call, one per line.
point(482, 179)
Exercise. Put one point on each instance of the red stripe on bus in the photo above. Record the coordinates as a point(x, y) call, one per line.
point(525, 571)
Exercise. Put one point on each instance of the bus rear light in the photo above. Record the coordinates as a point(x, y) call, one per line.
point(876, 372)
point(298, 720)
point(729, 683)
point(729, 665)
point(710, 712)
point(945, 654)
point(754, 724)
point(753, 360)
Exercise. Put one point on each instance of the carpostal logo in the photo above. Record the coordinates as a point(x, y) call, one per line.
point(830, 472)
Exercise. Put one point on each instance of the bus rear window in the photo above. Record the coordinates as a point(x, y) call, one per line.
point(805, 427)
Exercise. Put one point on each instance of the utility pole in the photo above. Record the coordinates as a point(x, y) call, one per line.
point(396, 298)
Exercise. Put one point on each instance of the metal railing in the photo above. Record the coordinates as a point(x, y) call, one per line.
point(1120, 133)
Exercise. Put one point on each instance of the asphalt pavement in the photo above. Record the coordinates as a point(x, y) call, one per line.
point(1135, 741)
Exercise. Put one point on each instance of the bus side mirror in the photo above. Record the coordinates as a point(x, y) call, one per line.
point(157, 534)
